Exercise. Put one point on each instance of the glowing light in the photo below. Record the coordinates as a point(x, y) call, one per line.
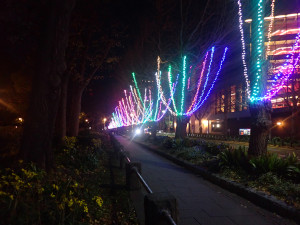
point(138, 131)
point(258, 47)
point(199, 83)
point(270, 26)
point(183, 84)
point(137, 88)
point(200, 103)
point(243, 49)
point(279, 123)
point(170, 86)
point(276, 17)
point(284, 72)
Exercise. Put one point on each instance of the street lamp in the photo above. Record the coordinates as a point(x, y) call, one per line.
point(279, 123)
point(104, 120)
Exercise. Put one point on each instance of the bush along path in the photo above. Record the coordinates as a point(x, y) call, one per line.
point(268, 175)
point(80, 190)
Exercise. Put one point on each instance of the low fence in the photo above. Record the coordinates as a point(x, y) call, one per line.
point(160, 208)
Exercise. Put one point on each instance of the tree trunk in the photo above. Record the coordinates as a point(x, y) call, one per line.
point(61, 118)
point(154, 130)
point(40, 119)
point(181, 127)
point(260, 126)
point(74, 108)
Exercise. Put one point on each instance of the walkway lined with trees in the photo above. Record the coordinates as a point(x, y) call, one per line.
point(200, 202)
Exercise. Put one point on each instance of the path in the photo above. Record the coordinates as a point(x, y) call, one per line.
point(199, 201)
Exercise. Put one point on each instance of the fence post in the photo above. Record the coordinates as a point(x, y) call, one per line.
point(154, 204)
point(132, 180)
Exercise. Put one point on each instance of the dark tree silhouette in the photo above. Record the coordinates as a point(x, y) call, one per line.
point(40, 118)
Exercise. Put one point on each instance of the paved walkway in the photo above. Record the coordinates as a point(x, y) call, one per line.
point(199, 201)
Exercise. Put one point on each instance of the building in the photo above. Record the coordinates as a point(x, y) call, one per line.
point(227, 111)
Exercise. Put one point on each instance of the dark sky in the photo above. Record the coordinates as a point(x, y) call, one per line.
point(150, 28)
point(103, 94)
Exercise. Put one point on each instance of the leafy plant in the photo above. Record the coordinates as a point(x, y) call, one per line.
point(273, 163)
point(230, 158)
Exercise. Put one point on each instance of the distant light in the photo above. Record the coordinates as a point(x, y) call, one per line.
point(218, 125)
point(138, 131)
point(86, 120)
point(205, 123)
point(90, 128)
point(20, 119)
point(279, 123)
point(104, 120)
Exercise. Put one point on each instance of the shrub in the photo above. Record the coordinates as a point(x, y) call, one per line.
point(233, 158)
point(168, 143)
point(273, 163)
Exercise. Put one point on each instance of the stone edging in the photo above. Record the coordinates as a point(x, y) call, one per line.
point(268, 202)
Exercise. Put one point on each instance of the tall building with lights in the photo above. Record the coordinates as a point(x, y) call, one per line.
point(227, 111)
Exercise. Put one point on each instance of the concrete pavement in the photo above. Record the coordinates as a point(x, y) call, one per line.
point(199, 201)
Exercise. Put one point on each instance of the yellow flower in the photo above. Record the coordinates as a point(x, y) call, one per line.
point(98, 200)
point(86, 209)
point(29, 174)
point(61, 206)
point(11, 197)
point(52, 195)
point(55, 186)
point(70, 203)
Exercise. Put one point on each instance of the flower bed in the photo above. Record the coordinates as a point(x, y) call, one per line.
point(78, 191)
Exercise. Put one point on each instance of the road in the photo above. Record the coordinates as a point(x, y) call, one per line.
point(199, 201)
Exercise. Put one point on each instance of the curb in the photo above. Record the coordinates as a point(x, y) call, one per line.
point(261, 199)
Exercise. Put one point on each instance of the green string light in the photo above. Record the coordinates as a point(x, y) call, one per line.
point(137, 88)
point(170, 86)
point(259, 47)
point(183, 85)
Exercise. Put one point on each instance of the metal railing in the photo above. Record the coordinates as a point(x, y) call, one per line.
point(164, 212)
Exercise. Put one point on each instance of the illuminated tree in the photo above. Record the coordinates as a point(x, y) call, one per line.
point(259, 93)
point(190, 97)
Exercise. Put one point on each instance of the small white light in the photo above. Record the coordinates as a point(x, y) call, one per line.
point(138, 131)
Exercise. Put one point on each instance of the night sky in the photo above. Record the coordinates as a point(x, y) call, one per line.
point(142, 30)
point(103, 94)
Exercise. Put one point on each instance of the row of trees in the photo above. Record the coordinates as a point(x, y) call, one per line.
point(75, 41)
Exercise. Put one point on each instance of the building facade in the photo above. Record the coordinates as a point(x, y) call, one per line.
point(227, 110)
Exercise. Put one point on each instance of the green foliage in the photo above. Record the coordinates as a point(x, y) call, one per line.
point(288, 166)
point(233, 158)
point(278, 186)
point(215, 149)
point(68, 195)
